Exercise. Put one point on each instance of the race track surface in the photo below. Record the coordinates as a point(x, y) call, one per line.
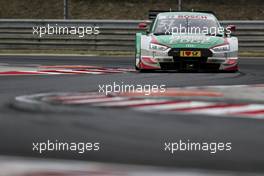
point(127, 136)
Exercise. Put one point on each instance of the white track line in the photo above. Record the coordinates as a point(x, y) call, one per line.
point(70, 72)
point(130, 102)
point(174, 106)
point(229, 110)
point(47, 73)
point(77, 97)
point(96, 100)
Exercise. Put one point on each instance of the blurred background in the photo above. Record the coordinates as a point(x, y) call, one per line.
point(128, 9)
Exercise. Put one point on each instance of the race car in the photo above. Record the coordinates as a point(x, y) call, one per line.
point(189, 41)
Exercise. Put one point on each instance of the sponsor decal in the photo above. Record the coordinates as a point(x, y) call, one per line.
point(190, 39)
point(190, 53)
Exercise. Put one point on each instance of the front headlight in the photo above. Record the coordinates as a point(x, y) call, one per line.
point(158, 47)
point(222, 48)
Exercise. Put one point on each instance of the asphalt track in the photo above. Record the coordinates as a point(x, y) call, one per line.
point(128, 136)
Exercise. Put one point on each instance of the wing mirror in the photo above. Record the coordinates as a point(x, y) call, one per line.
point(143, 25)
point(229, 29)
point(232, 28)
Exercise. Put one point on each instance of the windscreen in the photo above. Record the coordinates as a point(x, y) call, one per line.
point(171, 25)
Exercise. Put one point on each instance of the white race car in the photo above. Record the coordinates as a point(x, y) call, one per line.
point(186, 41)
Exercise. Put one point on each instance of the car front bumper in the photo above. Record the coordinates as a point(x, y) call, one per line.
point(152, 60)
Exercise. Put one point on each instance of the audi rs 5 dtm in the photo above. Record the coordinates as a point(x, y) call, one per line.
point(186, 41)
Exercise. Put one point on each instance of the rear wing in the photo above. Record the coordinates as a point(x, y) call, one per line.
point(153, 13)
